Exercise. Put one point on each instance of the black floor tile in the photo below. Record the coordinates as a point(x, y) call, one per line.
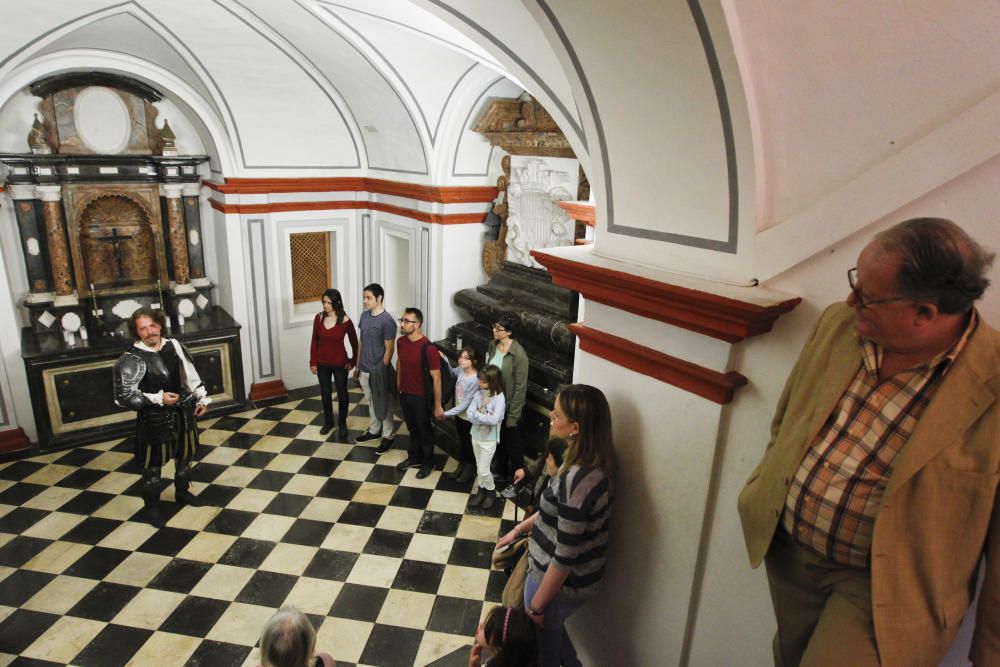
point(254, 459)
point(418, 576)
point(91, 530)
point(439, 523)
point(217, 495)
point(83, 478)
point(495, 586)
point(97, 563)
point(21, 585)
point(388, 543)
point(167, 541)
point(273, 414)
point(113, 646)
point(287, 504)
point(391, 646)
point(455, 615)
point(341, 489)
point(311, 405)
point(385, 475)
point(407, 496)
point(207, 472)
point(270, 480)
point(21, 519)
point(180, 575)
point(362, 455)
point(104, 601)
point(360, 603)
point(471, 553)
point(361, 514)
point(19, 494)
point(302, 448)
point(215, 654)
point(246, 552)
point(285, 429)
point(230, 423)
point(31, 662)
point(18, 470)
point(268, 589)
point(231, 522)
point(242, 440)
point(78, 457)
point(331, 565)
point(20, 630)
point(194, 616)
point(320, 467)
point(86, 502)
point(21, 549)
point(307, 532)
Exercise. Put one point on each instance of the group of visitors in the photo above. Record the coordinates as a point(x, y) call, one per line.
point(568, 532)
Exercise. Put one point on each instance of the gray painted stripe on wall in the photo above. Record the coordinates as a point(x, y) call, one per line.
point(423, 148)
point(357, 153)
point(488, 36)
point(730, 244)
point(465, 126)
point(260, 296)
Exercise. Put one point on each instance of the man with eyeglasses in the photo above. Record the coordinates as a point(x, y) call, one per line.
point(876, 497)
point(414, 354)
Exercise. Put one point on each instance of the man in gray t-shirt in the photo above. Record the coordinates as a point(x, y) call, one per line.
point(377, 341)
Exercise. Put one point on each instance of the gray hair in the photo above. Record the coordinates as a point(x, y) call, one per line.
point(288, 640)
point(940, 263)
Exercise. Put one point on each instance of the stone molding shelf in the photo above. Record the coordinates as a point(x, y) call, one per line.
point(722, 317)
point(705, 382)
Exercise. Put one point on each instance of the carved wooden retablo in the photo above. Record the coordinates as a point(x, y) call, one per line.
point(523, 127)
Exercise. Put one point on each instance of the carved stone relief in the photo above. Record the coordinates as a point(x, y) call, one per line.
point(535, 219)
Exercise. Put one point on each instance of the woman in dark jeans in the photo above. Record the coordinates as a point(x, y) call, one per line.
point(509, 356)
point(328, 359)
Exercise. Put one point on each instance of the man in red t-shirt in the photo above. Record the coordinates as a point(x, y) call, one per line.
point(416, 405)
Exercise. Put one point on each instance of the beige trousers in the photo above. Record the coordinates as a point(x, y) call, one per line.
point(824, 610)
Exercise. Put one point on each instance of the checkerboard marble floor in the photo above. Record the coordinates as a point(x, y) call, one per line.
point(391, 569)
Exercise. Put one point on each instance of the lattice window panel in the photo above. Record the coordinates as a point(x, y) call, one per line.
point(310, 265)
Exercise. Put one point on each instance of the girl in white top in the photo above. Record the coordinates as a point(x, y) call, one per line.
point(486, 412)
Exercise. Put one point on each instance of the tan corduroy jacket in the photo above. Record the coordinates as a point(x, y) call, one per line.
point(940, 510)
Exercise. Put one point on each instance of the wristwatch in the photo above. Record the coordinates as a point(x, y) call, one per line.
point(533, 612)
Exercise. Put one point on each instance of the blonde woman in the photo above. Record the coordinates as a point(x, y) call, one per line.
point(569, 532)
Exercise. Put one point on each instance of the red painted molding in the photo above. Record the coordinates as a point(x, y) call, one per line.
point(260, 391)
point(13, 440)
point(580, 211)
point(429, 193)
point(705, 382)
point(717, 316)
point(423, 216)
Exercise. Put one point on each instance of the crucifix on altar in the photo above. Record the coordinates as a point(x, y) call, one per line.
point(116, 240)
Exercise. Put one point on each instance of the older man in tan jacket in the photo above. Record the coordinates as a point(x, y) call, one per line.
point(876, 498)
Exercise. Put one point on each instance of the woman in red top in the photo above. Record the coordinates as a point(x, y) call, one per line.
point(328, 357)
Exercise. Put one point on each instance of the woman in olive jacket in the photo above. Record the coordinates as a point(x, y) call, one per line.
point(509, 356)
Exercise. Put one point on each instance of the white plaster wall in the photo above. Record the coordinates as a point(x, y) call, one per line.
point(461, 267)
point(12, 290)
point(735, 603)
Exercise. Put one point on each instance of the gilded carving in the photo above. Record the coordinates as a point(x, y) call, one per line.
point(523, 127)
point(495, 252)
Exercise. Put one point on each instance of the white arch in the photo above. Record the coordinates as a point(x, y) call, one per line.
point(88, 59)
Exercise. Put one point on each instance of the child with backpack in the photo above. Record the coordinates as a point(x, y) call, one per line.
point(486, 413)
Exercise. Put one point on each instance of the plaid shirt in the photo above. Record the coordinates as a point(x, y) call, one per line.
point(836, 493)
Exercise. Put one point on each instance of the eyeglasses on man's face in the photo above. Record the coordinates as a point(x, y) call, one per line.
point(403, 320)
point(860, 298)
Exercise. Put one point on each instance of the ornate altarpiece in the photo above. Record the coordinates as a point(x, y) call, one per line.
point(109, 221)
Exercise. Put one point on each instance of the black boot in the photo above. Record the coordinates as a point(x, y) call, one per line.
point(152, 484)
point(468, 474)
point(457, 472)
point(488, 499)
point(182, 488)
point(342, 433)
point(478, 499)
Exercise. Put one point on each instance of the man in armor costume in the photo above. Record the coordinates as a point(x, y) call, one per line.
point(157, 377)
